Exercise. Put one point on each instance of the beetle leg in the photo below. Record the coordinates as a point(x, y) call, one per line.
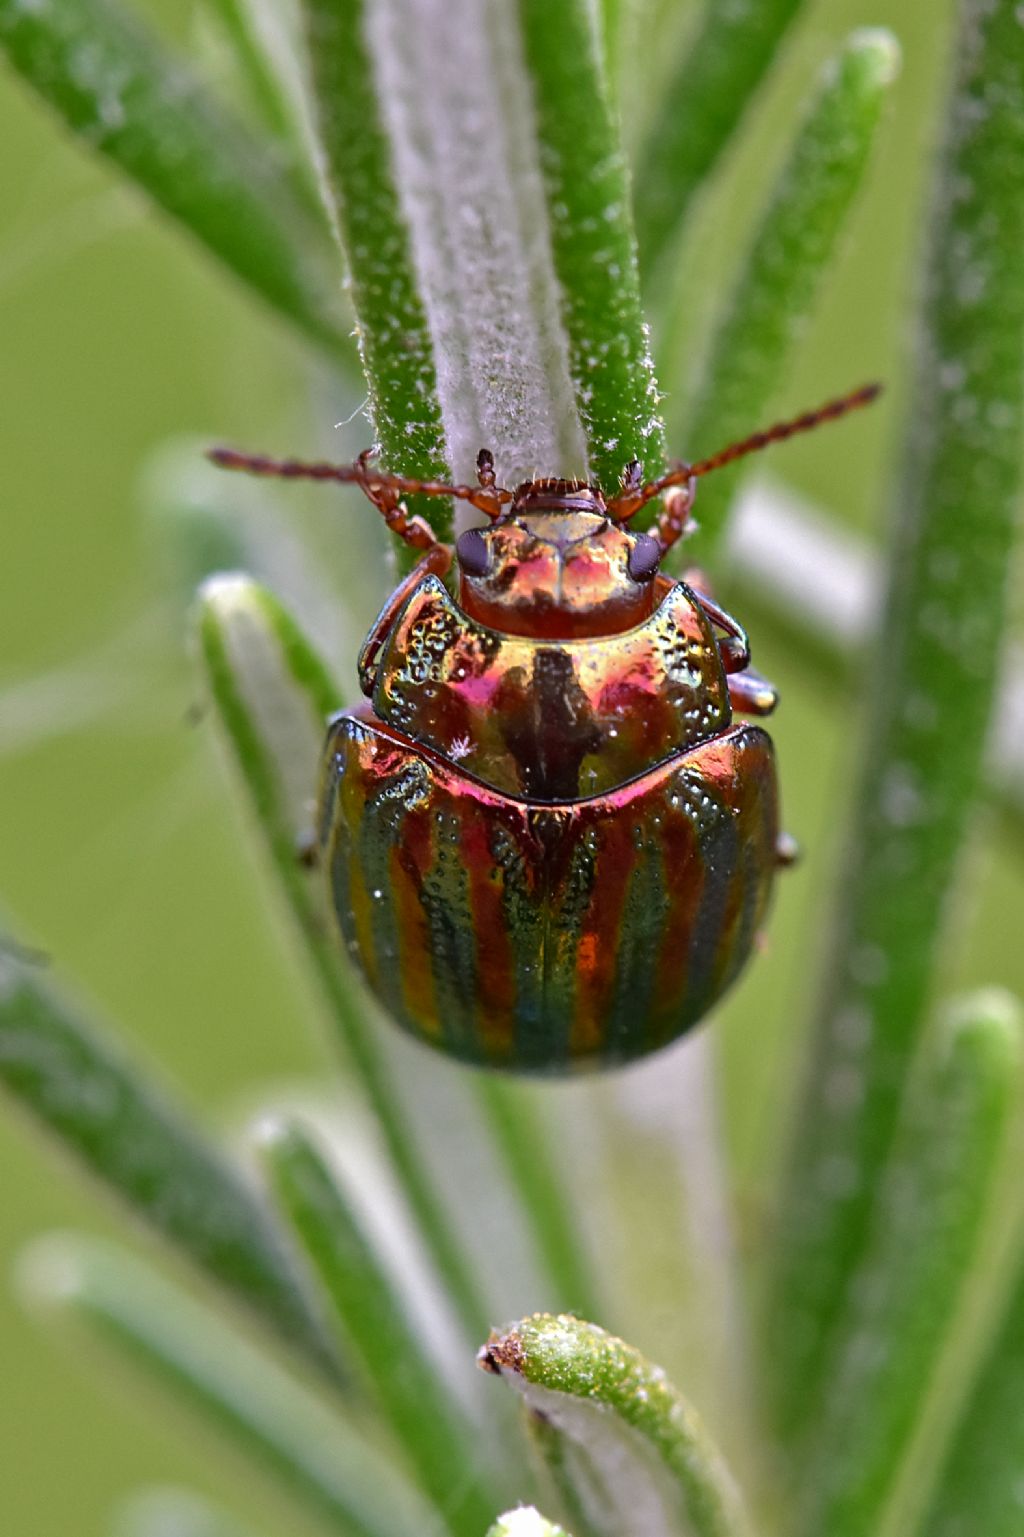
point(307, 849)
point(751, 694)
point(435, 562)
point(735, 648)
point(787, 851)
point(674, 520)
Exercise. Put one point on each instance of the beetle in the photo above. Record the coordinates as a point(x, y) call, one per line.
point(548, 843)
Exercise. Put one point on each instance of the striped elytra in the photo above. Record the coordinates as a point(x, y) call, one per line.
point(547, 937)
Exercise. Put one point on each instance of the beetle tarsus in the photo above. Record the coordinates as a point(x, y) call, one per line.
point(787, 851)
point(307, 849)
point(751, 694)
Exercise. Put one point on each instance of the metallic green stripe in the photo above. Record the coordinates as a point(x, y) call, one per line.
point(446, 901)
point(639, 941)
point(525, 921)
point(719, 844)
point(381, 830)
point(566, 902)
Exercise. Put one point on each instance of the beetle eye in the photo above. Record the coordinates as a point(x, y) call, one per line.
point(644, 558)
point(473, 555)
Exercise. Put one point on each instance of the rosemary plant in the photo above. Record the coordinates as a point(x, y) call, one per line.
point(480, 222)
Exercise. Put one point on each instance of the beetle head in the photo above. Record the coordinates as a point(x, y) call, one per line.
point(557, 566)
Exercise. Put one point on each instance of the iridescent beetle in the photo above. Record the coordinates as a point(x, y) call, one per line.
point(548, 843)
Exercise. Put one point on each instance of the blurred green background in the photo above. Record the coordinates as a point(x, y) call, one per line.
point(121, 854)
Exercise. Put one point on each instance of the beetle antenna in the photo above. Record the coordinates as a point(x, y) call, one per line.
point(632, 499)
point(829, 412)
point(383, 489)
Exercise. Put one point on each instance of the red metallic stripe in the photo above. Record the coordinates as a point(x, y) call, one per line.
point(597, 954)
point(496, 989)
point(684, 884)
point(417, 976)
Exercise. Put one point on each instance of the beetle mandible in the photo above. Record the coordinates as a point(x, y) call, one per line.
point(548, 843)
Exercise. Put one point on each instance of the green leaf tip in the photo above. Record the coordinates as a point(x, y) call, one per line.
point(879, 52)
point(992, 1013)
point(167, 1511)
point(608, 1407)
point(525, 1521)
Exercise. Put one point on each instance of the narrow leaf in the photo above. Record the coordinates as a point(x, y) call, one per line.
point(636, 1451)
point(790, 253)
point(272, 695)
point(175, 1513)
point(394, 338)
point(816, 584)
point(319, 1457)
point(143, 1148)
point(705, 99)
point(482, 197)
point(439, 1443)
point(264, 81)
point(121, 93)
point(523, 1139)
point(931, 1215)
point(593, 244)
point(979, 1489)
point(930, 695)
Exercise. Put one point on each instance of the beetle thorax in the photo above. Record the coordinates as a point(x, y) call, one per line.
point(556, 566)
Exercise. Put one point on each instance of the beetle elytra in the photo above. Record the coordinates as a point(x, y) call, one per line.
point(549, 844)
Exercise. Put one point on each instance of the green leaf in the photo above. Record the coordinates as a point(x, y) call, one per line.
point(592, 240)
point(438, 1441)
point(262, 77)
point(814, 584)
point(979, 1486)
point(272, 696)
point(174, 1513)
point(395, 343)
point(931, 1215)
point(703, 102)
point(122, 94)
point(764, 315)
point(635, 1450)
point(482, 198)
point(142, 1146)
point(521, 1132)
point(930, 695)
point(525, 1522)
point(319, 1457)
